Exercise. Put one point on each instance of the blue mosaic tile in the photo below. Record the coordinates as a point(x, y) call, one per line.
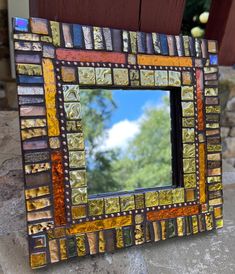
point(30, 79)
point(164, 45)
point(21, 24)
point(77, 36)
point(213, 59)
point(141, 42)
point(192, 46)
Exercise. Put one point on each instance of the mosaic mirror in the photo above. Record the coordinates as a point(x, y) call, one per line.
point(120, 137)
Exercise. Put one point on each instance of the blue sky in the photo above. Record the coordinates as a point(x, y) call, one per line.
point(125, 121)
point(130, 103)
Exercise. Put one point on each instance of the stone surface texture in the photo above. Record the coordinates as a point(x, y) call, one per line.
point(212, 252)
point(227, 100)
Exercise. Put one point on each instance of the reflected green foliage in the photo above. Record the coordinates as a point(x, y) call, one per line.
point(146, 160)
point(97, 108)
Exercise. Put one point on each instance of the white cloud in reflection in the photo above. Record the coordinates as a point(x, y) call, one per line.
point(120, 134)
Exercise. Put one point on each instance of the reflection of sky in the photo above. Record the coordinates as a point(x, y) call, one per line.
point(130, 103)
point(124, 124)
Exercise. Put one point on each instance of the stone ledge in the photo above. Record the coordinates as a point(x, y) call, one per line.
point(203, 253)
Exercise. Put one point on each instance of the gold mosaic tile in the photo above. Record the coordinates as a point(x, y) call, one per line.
point(212, 109)
point(161, 78)
point(46, 39)
point(38, 259)
point(103, 76)
point(188, 109)
point(215, 187)
point(78, 212)
point(151, 199)
point(32, 133)
point(35, 168)
point(72, 110)
point(174, 78)
point(27, 69)
point(139, 235)
point(98, 39)
point(71, 93)
point(39, 227)
point(75, 141)
point(188, 135)
point(81, 246)
point(139, 218)
point(194, 224)
point(55, 29)
point(214, 157)
point(187, 93)
point(189, 180)
point(26, 36)
point(54, 251)
point(37, 192)
point(214, 148)
point(74, 126)
point(120, 77)
point(133, 40)
point(180, 226)
point(165, 197)
point(37, 204)
point(77, 178)
point(213, 179)
point(188, 150)
point(96, 207)
point(127, 203)
point(77, 159)
point(219, 223)
point(50, 97)
point(188, 122)
point(28, 123)
point(211, 91)
point(139, 201)
point(86, 76)
point(63, 249)
point(214, 202)
point(101, 242)
point(189, 165)
point(178, 195)
point(112, 205)
point(119, 238)
point(131, 59)
point(209, 221)
point(147, 77)
point(54, 142)
point(79, 195)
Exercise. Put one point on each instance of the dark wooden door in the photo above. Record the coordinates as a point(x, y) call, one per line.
point(163, 16)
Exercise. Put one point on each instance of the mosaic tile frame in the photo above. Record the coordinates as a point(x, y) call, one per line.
point(52, 60)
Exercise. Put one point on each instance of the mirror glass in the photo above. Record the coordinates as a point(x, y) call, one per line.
point(127, 139)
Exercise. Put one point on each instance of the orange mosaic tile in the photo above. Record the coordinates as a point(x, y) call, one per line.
point(50, 97)
point(100, 225)
point(202, 173)
point(58, 188)
point(155, 60)
point(172, 213)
